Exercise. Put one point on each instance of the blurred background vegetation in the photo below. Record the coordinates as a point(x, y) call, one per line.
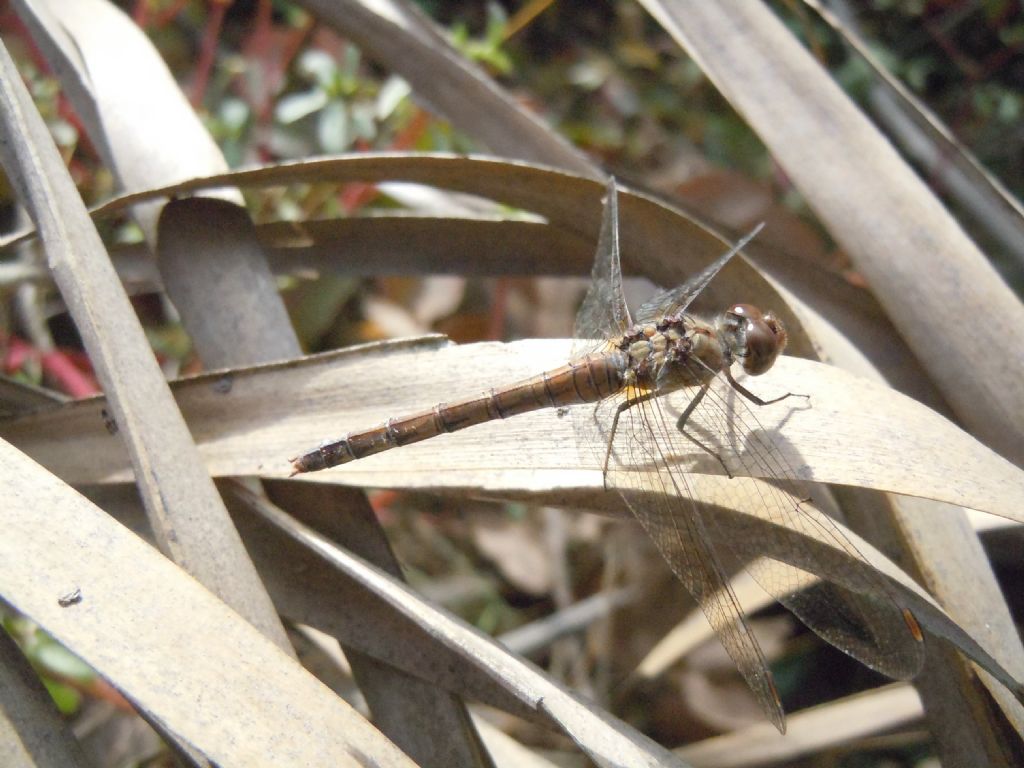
point(272, 85)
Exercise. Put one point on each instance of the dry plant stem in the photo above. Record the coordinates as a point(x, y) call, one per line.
point(918, 260)
point(810, 731)
point(175, 486)
point(538, 635)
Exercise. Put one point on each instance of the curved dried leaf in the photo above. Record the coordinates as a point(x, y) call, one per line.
point(606, 740)
point(810, 730)
point(127, 110)
point(411, 245)
point(249, 421)
point(169, 645)
point(658, 240)
point(246, 427)
point(694, 628)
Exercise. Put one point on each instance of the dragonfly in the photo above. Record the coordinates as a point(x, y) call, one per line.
point(620, 371)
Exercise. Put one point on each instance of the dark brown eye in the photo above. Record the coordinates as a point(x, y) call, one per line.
point(745, 311)
point(759, 338)
point(766, 338)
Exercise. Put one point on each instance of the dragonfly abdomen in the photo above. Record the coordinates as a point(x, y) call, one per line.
point(583, 381)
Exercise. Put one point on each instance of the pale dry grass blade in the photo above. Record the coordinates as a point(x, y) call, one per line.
point(174, 483)
point(256, 429)
point(311, 593)
point(147, 133)
point(931, 143)
point(398, 35)
point(234, 314)
point(921, 265)
point(953, 565)
point(937, 544)
point(605, 740)
point(18, 397)
point(658, 240)
point(809, 731)
point(418, 245)
point(507, 752)
point(176, 651)
point(695, 629)
point(216, 273)
point(399, 700)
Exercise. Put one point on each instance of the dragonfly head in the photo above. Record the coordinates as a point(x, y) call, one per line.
point(756, 339)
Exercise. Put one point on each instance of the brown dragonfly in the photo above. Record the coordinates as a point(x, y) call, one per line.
point(626, 366)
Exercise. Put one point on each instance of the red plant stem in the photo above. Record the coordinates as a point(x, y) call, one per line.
point(411, 133)
point(208, 49)
point(18, 353)
point(68, 378)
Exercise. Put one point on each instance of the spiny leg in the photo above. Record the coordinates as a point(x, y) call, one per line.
point(623, 406)
point(681, 426)
point(754, 398)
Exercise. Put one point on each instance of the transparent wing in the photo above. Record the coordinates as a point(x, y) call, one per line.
point(662, 502)
point(648, 466)
point(603, 314)
point(676, 300)
point(860, 617)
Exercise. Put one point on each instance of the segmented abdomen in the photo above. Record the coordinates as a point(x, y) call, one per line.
point(584, 381)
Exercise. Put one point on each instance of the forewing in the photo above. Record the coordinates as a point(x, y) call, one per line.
point(603, 314)
point(675, 300)
point(861, 618)
point(672, 519)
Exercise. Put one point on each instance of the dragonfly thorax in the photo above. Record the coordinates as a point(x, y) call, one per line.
point(682, 351)
point(675, 352)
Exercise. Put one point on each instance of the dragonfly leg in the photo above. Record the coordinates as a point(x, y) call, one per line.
point(754, 398)
point(625, 405)
point(681, 426)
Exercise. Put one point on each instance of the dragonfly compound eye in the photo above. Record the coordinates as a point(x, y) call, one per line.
point(765, 338)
